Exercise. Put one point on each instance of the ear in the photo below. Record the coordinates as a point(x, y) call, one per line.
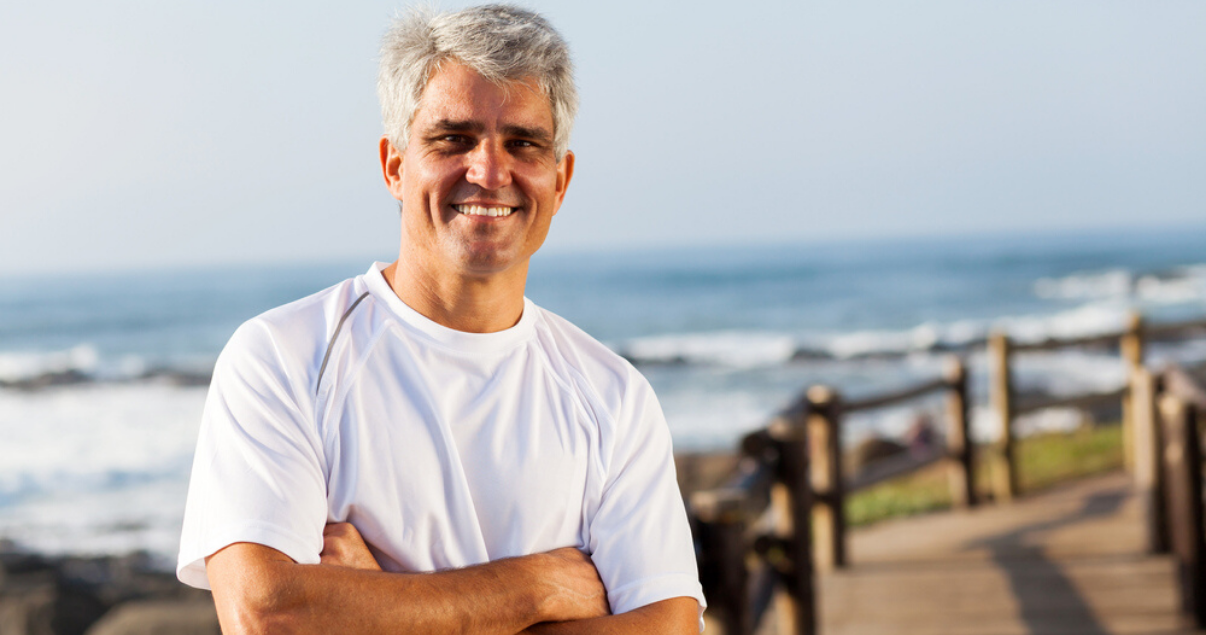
point(565, 172)
point(391, 167)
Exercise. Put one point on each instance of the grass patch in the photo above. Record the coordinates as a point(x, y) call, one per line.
point(1049, 459)
point(1043, 461)
point(925, 490)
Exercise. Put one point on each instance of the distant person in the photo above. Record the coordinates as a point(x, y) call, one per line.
point(920, 438)
point(421, 449)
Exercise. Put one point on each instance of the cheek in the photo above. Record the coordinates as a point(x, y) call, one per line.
point(541, 185)
point(427, 184)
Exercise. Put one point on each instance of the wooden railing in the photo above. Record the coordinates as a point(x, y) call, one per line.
point(824, 428)
point(1131, 343)
point(1004, 400)
point(789, 483)
point(779, 519)
point(762, 513)
point(1172, 404)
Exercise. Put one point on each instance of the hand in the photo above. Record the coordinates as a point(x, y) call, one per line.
point(575, 592)
point(342, 546)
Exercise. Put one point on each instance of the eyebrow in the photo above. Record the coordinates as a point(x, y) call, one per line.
point(450, 125)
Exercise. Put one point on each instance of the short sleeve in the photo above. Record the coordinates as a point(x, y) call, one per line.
point(640, 539)
point(258, 474)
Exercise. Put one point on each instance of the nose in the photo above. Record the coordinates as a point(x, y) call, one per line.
point(489, 167)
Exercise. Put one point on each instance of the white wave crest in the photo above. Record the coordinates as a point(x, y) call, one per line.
point(741, 349)
point(922, 337)
point(1086, 320)
point(1184, 285)
point(97, 468)
point(1114, 283)
point(1177, 286)
point(86, 437)
point(19, 365)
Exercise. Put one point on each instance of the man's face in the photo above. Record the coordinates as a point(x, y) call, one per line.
point(479, 181)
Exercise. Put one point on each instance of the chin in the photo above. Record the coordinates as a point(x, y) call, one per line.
point(487, 262)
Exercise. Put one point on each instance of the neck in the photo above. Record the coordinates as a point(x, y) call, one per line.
point(473, 304)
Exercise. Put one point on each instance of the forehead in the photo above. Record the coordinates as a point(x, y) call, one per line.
point(458, 93)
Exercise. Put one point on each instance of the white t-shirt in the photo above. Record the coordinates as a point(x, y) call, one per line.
point(444, 448)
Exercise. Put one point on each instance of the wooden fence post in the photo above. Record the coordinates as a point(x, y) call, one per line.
point(1183, 462)
point(825, 456)
point(1149, 477)
point(723, 528)
point(958, 435)
point(1004, 472)
point(795, 514)
point(1131, 347)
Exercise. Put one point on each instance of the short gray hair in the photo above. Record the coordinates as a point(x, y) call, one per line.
point(502, 43)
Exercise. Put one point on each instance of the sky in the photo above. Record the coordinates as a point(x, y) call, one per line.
point(141, 134)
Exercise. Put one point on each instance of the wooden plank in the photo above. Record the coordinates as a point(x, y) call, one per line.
point(962, 535)
point(1070, 560)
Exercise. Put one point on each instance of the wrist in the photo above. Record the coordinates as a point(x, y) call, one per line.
point(539, 600)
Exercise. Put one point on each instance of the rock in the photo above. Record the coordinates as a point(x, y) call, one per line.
point(869, 450)
point(696, 470)
point(27, 609)
point(42, 595)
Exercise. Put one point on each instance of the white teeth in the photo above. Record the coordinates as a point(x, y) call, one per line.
point(478, 210)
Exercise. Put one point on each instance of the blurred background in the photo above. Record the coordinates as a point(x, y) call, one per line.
point(767, 195)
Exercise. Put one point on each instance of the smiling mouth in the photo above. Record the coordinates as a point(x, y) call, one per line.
point(481, 210)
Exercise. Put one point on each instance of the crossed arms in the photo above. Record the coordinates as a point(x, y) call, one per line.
point(258, 589)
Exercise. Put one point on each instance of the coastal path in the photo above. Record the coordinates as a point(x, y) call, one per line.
point(1069, 561)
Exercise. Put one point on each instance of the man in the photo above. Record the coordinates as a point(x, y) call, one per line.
point(421, 449)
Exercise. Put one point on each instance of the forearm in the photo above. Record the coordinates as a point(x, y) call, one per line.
point(676, 616)
point(257, 589)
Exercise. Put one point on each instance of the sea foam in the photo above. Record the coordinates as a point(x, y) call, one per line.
point(96, 468)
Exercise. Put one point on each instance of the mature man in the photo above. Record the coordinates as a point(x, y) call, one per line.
point(421, 449)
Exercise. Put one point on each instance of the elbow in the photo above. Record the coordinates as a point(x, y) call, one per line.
point(251, 623)
point(254, 596)
point(257, 613)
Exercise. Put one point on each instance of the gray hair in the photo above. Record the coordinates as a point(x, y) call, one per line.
point(502, 43)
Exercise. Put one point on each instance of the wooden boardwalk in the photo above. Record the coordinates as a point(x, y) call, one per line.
point(1069, 561)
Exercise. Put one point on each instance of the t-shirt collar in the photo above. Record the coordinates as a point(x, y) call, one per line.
point(499, 341)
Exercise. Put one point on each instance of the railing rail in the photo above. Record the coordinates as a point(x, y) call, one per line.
point(1081, 401)
point(1174, 330)
point(891, 399)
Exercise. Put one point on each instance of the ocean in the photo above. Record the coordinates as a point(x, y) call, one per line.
point(102, 375)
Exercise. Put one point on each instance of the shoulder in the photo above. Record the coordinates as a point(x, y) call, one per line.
point(293, 337)
point(590, 365)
